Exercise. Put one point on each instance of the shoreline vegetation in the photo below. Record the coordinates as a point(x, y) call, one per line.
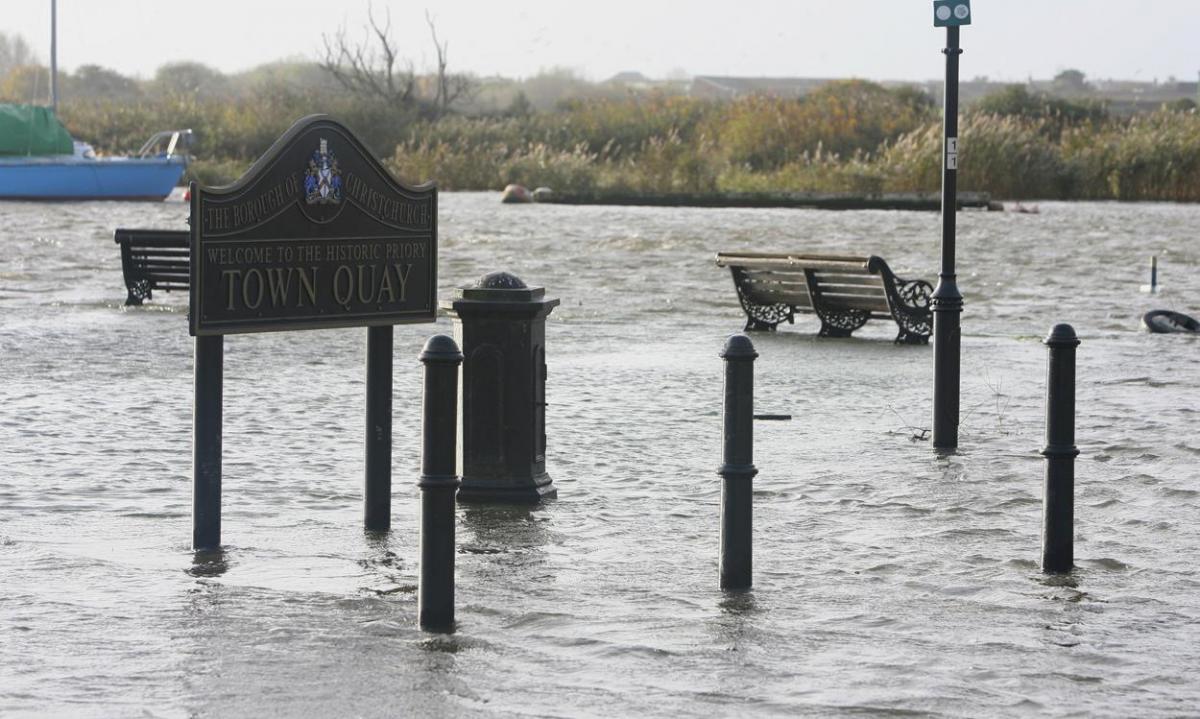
point(846, 137)
point(849, 136)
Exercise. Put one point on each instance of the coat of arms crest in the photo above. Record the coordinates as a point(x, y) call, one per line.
point(323, 178)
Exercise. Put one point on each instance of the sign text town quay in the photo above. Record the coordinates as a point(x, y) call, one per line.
point(316, 234)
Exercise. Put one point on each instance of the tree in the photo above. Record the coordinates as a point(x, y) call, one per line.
point(520, 106)
point(367, 72)
point(14, 52)
point(449, 88)
point(93, 81)
point(26, 83)
point(190, 78)
point(1071, 81)
point(373, 70)
point(1183, 104)
point(1018, 101)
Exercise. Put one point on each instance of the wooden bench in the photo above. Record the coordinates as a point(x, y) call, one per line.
point(844, 292)
point(153, 260)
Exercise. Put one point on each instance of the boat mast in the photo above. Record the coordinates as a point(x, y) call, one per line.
point(54, 55)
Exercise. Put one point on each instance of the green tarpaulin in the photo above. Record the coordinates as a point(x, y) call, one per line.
point(32, 130)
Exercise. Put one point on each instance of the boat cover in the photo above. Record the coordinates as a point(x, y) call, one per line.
point(32, 130)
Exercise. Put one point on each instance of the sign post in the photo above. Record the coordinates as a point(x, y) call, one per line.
point(947, 301)
point(377, 482)
point(206, 442)
point(317, 234)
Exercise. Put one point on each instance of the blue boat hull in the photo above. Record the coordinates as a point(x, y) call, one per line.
point(72, 178)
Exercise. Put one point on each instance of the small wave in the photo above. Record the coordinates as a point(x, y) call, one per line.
point(1106, 563)
point(540, 620)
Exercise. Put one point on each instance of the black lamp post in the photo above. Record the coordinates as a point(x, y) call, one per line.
point(947, 300)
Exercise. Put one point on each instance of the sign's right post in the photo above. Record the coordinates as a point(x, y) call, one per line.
point(947, 301)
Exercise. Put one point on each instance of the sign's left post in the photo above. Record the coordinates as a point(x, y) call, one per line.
point(206, 442)
point(207, 405)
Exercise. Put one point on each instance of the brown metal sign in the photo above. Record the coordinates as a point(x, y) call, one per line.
point(316, 234)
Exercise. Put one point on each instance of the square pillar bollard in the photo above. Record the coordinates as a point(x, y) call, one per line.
point(500, 324)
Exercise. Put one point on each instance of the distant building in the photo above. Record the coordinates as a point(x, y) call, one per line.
point(639, 83)
point(1127, 98)
point(629, 78)
point(1122, 97)
point(715, 87)
point(633, 81)
point(720, 87)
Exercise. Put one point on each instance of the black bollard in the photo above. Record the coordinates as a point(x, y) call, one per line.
point(1058, 554)
point(1153, 273)
point(737, 471)
point(438, 483)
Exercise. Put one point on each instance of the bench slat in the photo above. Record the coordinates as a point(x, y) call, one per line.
point(838, 302)
point(165, 270)
point(766, 261)
point(159, 252)
point(806, 264)
point(735, 257)
point(767, 297)
point(171, 263)
point(858, 280)
point(162, 263)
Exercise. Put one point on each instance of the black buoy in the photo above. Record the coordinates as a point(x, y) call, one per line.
point(1165, 321)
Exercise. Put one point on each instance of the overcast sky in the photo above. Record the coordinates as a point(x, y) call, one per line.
point(876, 39)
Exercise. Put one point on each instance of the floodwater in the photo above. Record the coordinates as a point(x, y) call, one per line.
point(888, 580)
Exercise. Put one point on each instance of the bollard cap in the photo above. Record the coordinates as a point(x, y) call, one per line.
point(1061, 335)
point(499, 290)
point(739, 347)
point(441, 349)
point(500, 281)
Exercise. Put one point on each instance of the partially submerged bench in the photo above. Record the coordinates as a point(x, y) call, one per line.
point(153, 260)
point(844, 292)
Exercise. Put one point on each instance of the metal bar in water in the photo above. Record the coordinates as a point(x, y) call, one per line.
point(377, 485)
point(206, 442)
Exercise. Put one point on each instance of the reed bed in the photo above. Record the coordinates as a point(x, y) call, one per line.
point(851, 136)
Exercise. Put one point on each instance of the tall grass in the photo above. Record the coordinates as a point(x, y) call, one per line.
point(764, 133)
point(1009, 157)
point(846, 137)
point(1153, 157)
point(228, 134)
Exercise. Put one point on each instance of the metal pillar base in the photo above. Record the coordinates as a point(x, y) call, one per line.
point(519, 492)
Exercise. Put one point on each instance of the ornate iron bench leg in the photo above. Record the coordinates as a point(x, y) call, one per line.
point(759, 316)
point(139, 291)
point(753, 325)
point(765, 317)
point(911, 338)
point(909, 300)
point(840, 323)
